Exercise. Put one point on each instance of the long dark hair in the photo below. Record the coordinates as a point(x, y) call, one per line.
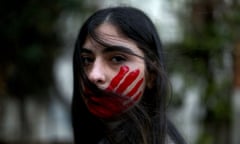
point(146, 123)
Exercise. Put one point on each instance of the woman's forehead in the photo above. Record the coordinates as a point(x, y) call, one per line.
point(112, 45)
point(108, 34)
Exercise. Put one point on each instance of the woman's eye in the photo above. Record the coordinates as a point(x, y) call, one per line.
point(118, 59)
point(87, 60)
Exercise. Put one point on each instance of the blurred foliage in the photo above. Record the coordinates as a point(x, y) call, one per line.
point(30, 44)
point(211, 29)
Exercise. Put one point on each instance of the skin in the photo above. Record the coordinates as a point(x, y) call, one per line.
point(116, 70)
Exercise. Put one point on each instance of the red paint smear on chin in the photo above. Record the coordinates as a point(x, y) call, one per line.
point(106, 107)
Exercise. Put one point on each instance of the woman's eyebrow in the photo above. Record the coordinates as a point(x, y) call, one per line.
point(85, 50)
point(120, 49)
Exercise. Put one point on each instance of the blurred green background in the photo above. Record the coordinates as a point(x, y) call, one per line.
point(202, 48)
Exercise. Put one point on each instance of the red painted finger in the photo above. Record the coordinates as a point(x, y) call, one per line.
point(136, 87)
point(132, 101)
point(137, 96)
point(127, 81)
point(115, 81)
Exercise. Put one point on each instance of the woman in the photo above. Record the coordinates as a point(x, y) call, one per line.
point(120, 83)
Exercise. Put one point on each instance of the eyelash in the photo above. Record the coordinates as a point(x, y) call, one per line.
point(87, 60)
point(118, 59)
point(115, 59)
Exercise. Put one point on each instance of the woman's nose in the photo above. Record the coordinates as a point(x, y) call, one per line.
point(97, 74)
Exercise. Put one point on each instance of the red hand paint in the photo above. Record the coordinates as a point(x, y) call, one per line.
point(115, 81)
point(112, 101)
point(127, 81)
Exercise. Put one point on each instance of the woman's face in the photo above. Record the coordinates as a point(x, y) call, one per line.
point(118, 69)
